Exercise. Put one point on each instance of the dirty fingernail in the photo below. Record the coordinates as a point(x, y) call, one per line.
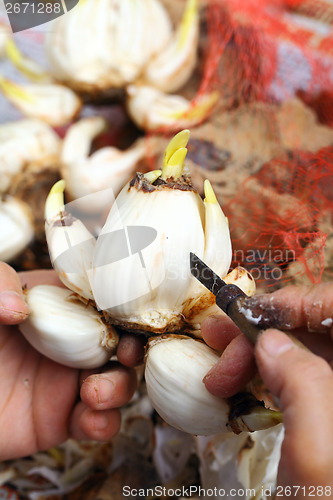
point(105, 389)
point(13, 302)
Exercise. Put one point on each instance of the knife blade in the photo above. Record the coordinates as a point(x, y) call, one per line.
point(228, 297)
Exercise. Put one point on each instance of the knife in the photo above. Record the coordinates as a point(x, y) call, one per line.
point(235, 303)
point(228, 297)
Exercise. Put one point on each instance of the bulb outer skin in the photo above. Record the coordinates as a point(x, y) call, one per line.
point(126, 34)
point(148, 286)
point(67, 330)
point(175, 366)
point(174, 370)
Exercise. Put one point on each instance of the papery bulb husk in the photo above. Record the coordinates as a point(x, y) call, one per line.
point(17, 229)
point(26, 145)
point(229, 461)
point(32, 186)
point(126, 34)
point(174, 370)
point(66, 330)
point(258, 460)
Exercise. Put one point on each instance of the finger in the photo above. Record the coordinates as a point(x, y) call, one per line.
point(96, 425)
point(294, 307)
point(234, 370)
point(40, 277)
point(320, 344)
point(110, 389)
point(218, 331)
point(13, 308)
point(131, 348)
point(303, 383)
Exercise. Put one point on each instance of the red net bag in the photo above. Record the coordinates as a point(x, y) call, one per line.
point(269, 154)
point(269, 48)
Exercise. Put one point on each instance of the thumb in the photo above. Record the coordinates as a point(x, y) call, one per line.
point(13, 308)
point(303, 383)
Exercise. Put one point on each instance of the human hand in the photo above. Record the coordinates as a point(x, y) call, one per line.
point(39, 399)
point(302, 380)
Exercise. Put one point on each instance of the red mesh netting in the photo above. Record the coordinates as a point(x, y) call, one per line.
point(270, 157)
point(276, 217)
point(268, 48)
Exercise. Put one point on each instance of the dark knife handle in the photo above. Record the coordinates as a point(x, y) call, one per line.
point(230, 299)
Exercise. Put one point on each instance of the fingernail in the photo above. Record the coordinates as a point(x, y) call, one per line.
point(207, 377)
point(213, 320)
point(101, 421)
point(105, 389)
point(275, 343)
point(209, 374)
point(13, 302)
point(215, 317)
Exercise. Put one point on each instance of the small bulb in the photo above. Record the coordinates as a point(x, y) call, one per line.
point(66, 330)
